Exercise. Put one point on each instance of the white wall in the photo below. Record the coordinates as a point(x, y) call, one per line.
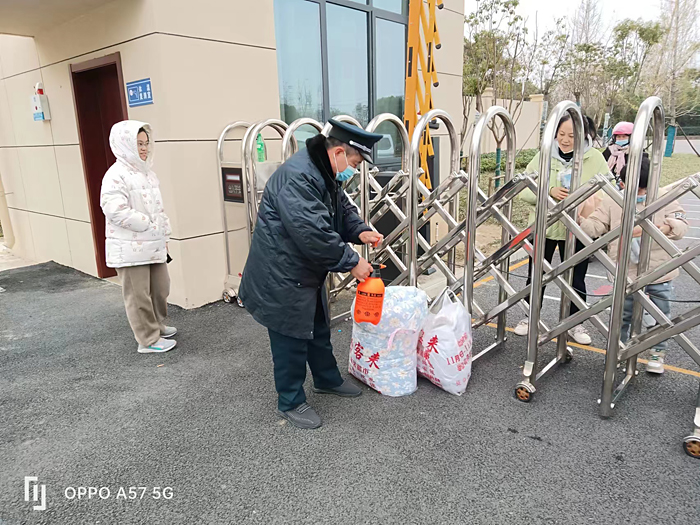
point(209, 62)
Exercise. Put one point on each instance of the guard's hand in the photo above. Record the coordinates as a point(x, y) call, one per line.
point(637, 232)
point(559, 193)
point(362, 270)
point(371, 237)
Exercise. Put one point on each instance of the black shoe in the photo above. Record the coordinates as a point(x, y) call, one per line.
point(302, 416)
point(347, 389)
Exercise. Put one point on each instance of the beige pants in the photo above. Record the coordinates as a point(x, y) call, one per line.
point(145, 289)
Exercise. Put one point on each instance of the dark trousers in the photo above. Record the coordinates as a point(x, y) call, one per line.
point(290, 356)
point(580, 270)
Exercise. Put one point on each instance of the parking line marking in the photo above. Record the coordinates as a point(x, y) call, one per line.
point(601, 351)
point(596, 276)
point(490, 277)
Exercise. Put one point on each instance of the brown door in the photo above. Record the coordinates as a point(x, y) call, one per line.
point(100, 102)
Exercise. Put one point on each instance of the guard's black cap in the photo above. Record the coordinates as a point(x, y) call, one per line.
point(358, 138)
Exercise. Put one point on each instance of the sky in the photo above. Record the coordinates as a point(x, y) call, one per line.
point(548, 10)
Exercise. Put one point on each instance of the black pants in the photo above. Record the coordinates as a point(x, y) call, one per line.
point(580, 270)
point(290, 356)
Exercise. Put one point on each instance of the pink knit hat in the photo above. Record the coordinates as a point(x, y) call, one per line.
point(623, 128)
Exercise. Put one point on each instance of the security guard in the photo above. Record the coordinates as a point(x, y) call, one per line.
point(305, 221)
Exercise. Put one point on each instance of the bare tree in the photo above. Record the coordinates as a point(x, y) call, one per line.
point(498, 55)
point(681, 44)
point(549, 55)
point(585, 50)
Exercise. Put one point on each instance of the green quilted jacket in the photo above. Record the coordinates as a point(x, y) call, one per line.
point(593, 163)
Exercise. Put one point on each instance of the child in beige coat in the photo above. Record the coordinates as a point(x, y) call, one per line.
point(599, 217)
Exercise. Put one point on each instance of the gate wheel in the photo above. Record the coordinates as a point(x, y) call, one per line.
point(691, 445)
point(569, 355)
point(524, 392)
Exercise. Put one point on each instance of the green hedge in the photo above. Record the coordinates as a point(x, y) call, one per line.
point(689, 130)
point(488, 160)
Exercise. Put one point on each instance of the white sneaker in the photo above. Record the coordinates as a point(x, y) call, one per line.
point(162, 345)
point(580, 335)
point(656, 364)
point(522, 327)
point(168, 332)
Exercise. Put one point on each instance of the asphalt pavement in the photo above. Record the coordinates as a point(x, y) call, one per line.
point(683, 146)
point(81, 408)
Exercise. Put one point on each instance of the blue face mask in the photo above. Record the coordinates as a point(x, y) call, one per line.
point(344, 175)
point(641, 199)
point(622, 143)
point(347, 173)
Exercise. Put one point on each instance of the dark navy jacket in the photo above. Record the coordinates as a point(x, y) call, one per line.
point(304, 223)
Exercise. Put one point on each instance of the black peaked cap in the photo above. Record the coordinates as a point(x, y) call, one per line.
point(363, 141)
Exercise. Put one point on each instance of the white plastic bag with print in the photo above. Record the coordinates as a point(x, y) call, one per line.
point(445, 345)
point(383, 356)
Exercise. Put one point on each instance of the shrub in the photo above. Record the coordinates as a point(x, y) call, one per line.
point(488, 160)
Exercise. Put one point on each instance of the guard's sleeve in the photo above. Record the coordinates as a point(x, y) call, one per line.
point(675, 217)
point(308, 223)
point(597, 223)
point(353, 225)
point(114, 201)
point(527, 195)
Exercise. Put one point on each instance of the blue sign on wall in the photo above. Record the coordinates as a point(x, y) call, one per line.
point(139, 92)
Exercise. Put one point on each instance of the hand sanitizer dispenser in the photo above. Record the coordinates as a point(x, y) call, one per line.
point(40, 103)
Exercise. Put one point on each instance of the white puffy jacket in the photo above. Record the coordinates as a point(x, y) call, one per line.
point(137, 228)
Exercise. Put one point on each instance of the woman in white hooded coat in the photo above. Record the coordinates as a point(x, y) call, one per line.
point(137, 231)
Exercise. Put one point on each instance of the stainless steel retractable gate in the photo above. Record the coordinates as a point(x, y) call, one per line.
point(479, 209)
point(548, 212)
point(252, 178)
point(232, 280)
point(498, 206)
point(665, 328)
point(392, 198)
point(374, 202)
point(289, 143)
point(525, 389)
point(256, 174)
point(413, 206)
point(432, 203)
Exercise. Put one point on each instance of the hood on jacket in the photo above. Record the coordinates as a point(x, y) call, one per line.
point(588, 145)
point(122, 141)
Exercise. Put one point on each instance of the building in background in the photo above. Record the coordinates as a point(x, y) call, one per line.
point(188, 68)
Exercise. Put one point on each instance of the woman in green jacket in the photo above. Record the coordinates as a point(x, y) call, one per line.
point(559, 180)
